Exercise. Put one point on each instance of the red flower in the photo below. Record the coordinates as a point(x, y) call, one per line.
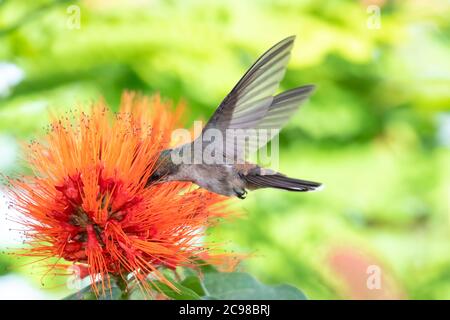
point(86, 201)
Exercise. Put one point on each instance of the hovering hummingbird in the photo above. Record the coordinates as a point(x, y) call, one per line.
point(251, 105)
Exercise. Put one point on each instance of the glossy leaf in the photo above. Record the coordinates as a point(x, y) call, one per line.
point(183, 293)
point(242, 286)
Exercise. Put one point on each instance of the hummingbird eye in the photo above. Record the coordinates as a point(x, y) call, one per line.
point(154, 177)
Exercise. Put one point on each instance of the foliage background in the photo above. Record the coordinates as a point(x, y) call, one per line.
point(376, 132)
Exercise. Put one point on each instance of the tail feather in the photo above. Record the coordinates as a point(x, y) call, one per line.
point(280, 181)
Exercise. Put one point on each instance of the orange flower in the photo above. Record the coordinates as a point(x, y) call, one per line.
point(86, 201)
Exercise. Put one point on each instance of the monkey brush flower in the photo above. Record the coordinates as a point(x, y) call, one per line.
point(87, 200)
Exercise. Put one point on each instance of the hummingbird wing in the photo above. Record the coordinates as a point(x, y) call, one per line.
point(251, 106)
point(283, 107)
point(250, 100)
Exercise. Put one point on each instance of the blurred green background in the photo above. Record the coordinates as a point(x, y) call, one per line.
point(376, 132)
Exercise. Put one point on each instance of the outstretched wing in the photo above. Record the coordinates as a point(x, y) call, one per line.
point(283, 107)
point(250, 100)
point(250, 115)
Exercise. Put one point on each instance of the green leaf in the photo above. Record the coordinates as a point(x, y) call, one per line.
point(183, 292)
point(87, 293)
point(242, 286)
point(193, 283)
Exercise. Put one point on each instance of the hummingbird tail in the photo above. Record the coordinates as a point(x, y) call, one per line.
point(280, 181)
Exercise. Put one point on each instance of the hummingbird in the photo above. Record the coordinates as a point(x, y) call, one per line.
point(251, 105)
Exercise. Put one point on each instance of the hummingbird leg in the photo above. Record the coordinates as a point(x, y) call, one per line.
point(240, 193)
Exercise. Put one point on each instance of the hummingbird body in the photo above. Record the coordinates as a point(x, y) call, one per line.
point(250, 107)
point(220, 179)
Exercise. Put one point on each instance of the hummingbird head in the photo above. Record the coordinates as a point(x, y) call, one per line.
point(164, 167)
